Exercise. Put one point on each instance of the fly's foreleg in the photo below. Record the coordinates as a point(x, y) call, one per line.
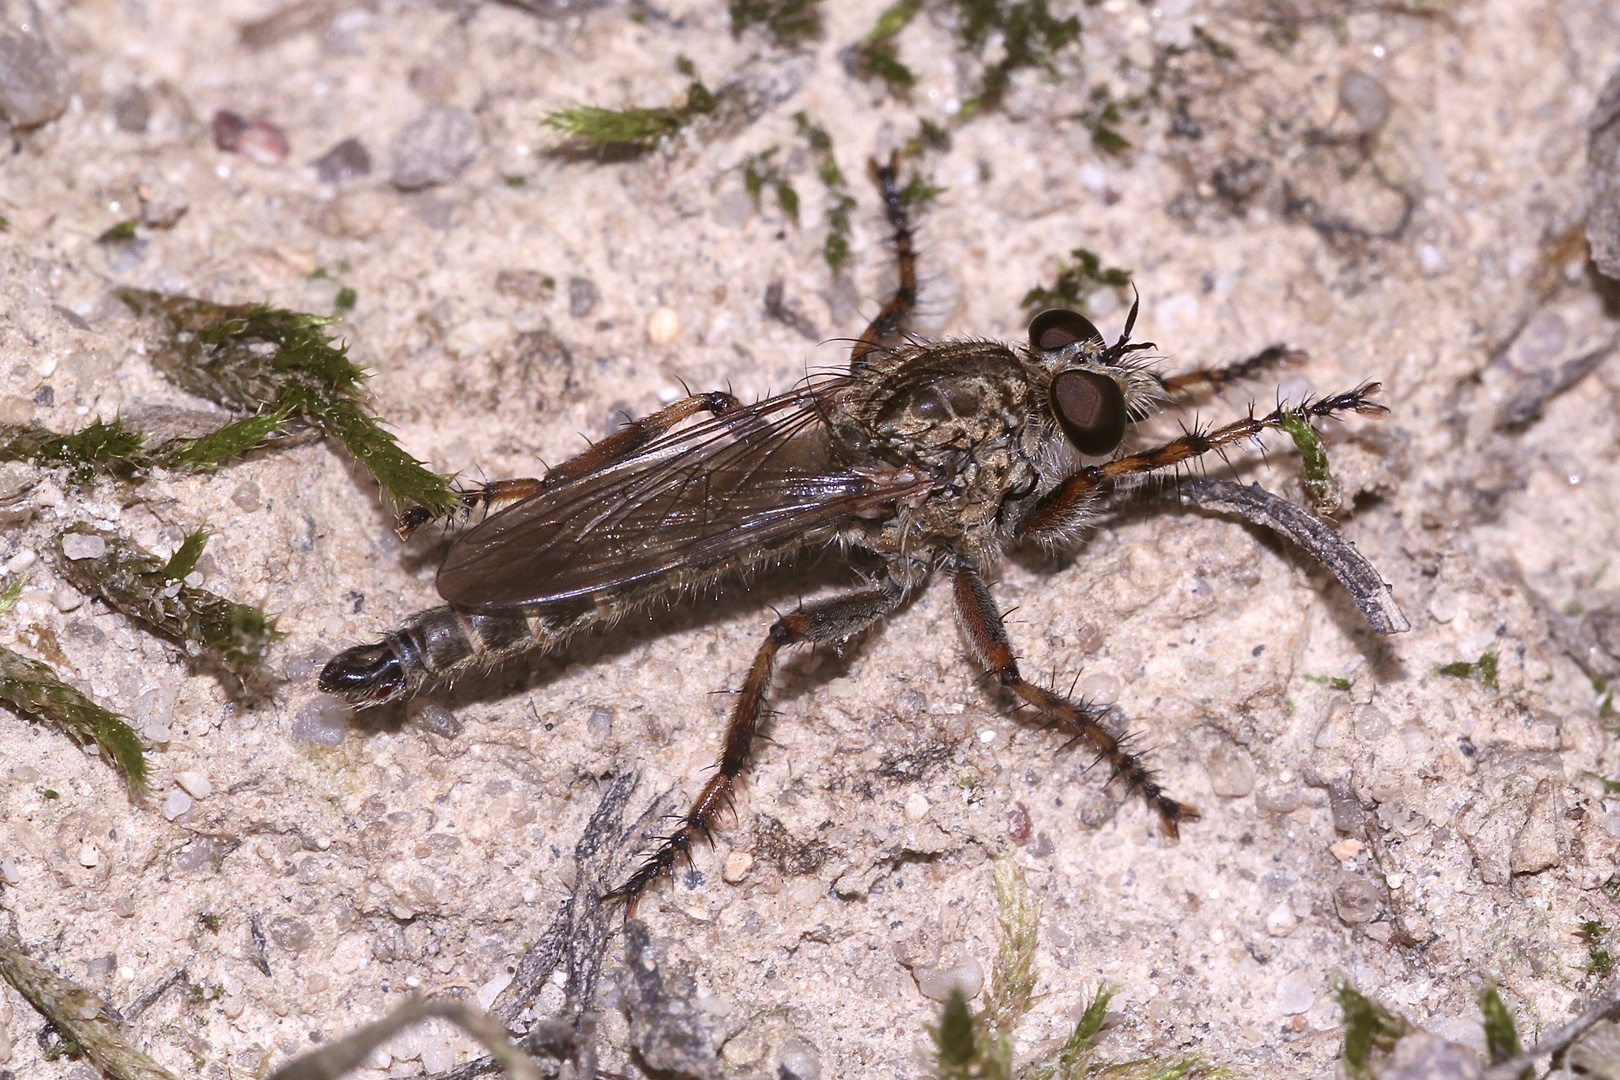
point(437, 646)
point(987, 636)
point(1071, 504)
point(827, 621)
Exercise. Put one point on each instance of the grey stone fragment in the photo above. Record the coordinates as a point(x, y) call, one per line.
point(294, 935)
point(1597, 1055)
point(1366, 100)
point(435, 148)
point(670, 1033)
point(33, 81)
point(1231, 770)
point(1422, 1056)
point(1603, 179)
point(132, 110)
point(345, 161)
point(581, 296)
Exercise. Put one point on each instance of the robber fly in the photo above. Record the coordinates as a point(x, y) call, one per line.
point(933, 456)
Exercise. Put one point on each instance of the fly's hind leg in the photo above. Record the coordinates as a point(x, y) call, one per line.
point(628, 440)
point(815, 624)
point(986, 633)
point(888, 328)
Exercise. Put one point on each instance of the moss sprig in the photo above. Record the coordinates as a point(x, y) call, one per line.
point(152, 590)
point(589, 127)
point(1076, 282)
point(277, 365)
point(1321, 488)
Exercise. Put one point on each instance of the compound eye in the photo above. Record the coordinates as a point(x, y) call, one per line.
point(1058, 327)
point(1091, 410)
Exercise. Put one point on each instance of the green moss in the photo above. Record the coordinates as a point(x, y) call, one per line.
point(760, 172)
point(209, 921)
point(1101, 118)
point(1076, 281)
point(789, 23)
point(878, 56)
point(591, 127)
point(33, 688)
point(1328, 680)
point(1320, 486)
point(143, 586)
point(1599, 960)
point(1031, 37)
point(1368, 1027)
point(514, 181)
point(344, 301)
point(277, 365)
point(840, 203)
point(100, 449)
point(1485, 669)
point(120, 233)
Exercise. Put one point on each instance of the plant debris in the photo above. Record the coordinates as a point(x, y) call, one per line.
point(788, 23)
point(591, 128)
point(154, 591)
point(276, 364)
point(1320, 540)
point(1324, 491)
point(1075, 282)
point(79, 1015)
point(839, 201)
point(1484, 669)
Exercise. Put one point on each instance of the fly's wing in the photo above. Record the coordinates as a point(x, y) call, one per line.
point(695, 498)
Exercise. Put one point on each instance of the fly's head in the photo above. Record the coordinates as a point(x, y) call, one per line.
point(1093, 390)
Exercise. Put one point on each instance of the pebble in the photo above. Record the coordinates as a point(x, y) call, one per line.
point(1231, 770)
point(347, 160)
point(1355, 899)
point(33, 81)
point(1281, 921)
point(433, 718)
point(581, 296)
point(66, 599)
point(175, 804)
point(936, 984)
point(132, 110)
point(89, 854)
point(1294, 994)
point(434, 148)
point(798, 1060)
point(738, 863)
point(124, 907)
point(663, 326)
point(324, 722)
point(257, 139)
point(1366, 100)
point(917, 807)
point(1345, 850)
point(10, 872)
point(83, 546)
point(21, 561)
point(195, 784)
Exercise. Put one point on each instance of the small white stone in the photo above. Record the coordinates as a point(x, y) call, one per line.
point(936, 984)
point(176, 803)
point(1281, 921)
point(21, 561)
point(83, 546)
point(1294, 994)
point(738, 863)
point(127, 974)
point(491, 990)
point(663, 326)
point(89, 854)
point(66, 599)
point(917, 807)
point(195, 784)
point(9, 871)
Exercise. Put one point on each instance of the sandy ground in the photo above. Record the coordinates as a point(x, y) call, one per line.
point(1265, 199)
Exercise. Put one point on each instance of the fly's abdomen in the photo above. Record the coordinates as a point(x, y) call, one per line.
point(439, 645)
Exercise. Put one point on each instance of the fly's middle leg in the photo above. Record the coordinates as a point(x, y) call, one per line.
point(827, 621)
point(987, 634)
point(1217, 379)
point(436, 646)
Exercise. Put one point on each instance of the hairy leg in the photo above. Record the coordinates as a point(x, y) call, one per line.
point(1071, 504)
point(826, 621)
point(1180, 387)
point(987, 635)
point(889, 327)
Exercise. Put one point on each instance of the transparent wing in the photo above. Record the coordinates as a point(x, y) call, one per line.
point(700, 497)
